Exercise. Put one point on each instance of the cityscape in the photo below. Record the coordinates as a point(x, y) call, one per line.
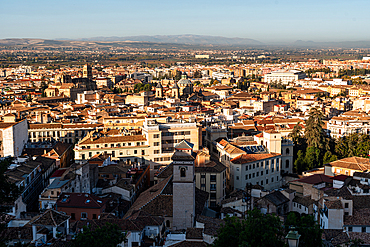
point(155, 138)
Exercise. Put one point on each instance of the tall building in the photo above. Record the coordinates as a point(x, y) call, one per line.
point(183, 190)
point(162, 138)
point(87, 72)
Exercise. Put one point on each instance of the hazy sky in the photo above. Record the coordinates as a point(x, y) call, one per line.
point(263, 20)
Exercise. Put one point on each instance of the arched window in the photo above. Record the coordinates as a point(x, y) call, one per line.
point(287, 151)
point(182, 172)
point(287, 164)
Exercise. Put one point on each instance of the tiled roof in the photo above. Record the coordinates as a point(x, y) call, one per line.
point(276, 198)
point(49, 218)
point(334, 204)
point(303, 200)
point(335, 236)
point(353, 163)
point(315, 179)
point(80, 200)
point(211, 225)
point(113, 139)
point(247, 158)
point(211, 166)
point(190, 244)
point(194, 233)
point(364, 236)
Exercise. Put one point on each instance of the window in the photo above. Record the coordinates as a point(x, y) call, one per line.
point(253, 174)
point(246, 176)
point(261, 182)
point(261, 173)
point(83, 215)
point(213, 186)
point(267, 172)
point(237, 177)
point(287, 164)
point(168, 223)
point(250, 176)
point(182, 172)
point(257, 174)
point(350, 228)
point(258, 164)
point(346, 205)
point(272, 180)
point(287, 151)
point(156, 144)
point(267, 181)
point(156, 151)
point(94, 216)
point(135, 151)
point(202, 176)
point(52, 192)
point(363, 229)
point(254, 166)
point(73, 216)
point(246, 168)
point(212, 196)
point(156, 136)
point(213, 178)
point(237, 169)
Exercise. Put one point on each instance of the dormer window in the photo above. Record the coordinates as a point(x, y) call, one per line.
point(182, 172)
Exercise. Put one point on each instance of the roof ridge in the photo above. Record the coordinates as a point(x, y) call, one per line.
point(158, 193)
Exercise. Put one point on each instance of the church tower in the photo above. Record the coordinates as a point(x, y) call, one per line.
point(183, 190)
point(159, 90)
point(175, 91)
point(87, 72)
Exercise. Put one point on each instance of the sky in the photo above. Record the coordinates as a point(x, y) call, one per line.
point(262, 20)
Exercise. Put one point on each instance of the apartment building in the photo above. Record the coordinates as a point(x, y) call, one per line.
point(211, 177)
point(284, 77)
point(342, 126)
point(163, 137)
point(13, 136)
point(261, 169)
point(133, 148)
point(69, 133)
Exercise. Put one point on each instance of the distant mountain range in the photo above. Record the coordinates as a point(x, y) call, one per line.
point(182, 39)
point(179, 41)
point(339, 44)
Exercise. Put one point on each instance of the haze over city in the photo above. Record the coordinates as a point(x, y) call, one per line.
point(268, 21)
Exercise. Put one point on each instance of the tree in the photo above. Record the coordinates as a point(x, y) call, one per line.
point(314, 132)
point(307, 227)
point(9, 192)
point(256, 230)
point(109, 235)
point(312, 158)
point(299, 163)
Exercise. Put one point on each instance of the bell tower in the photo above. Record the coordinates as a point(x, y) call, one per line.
point(175, 91)
point(159, 90)
point(183, 190)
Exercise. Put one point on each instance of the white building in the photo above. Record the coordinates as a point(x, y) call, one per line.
point(284, 77)
point(13, 136)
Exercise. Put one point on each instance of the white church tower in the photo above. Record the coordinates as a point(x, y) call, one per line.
point(183, 190)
